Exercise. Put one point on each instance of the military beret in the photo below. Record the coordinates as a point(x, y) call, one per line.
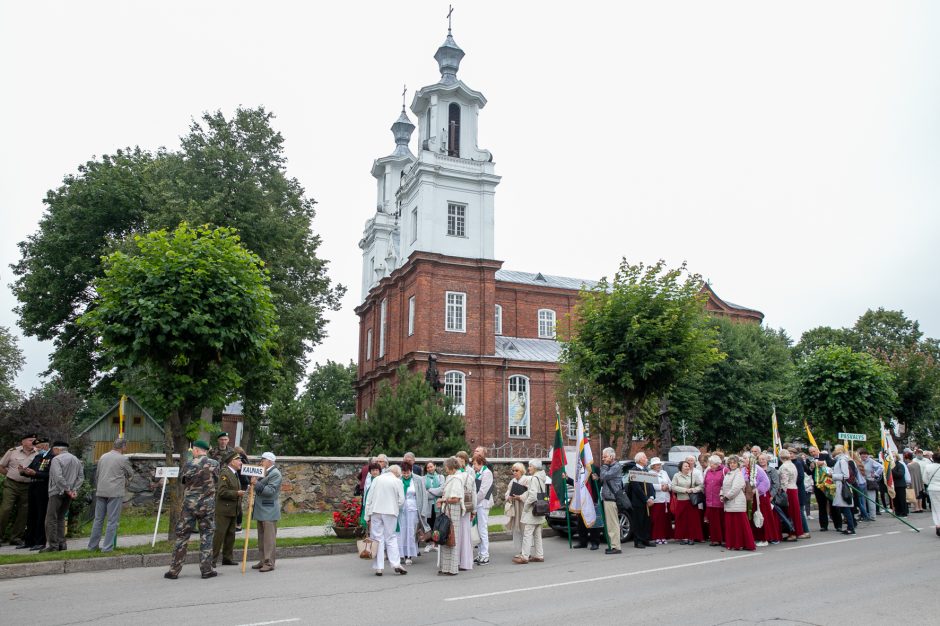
point(222, 434)
point(32, 436)
point(42, 440)
point(199, 443)
point(60, 444)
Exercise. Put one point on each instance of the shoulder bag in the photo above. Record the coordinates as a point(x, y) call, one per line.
point(623, 501)
point(540, 507)
point(441, 534)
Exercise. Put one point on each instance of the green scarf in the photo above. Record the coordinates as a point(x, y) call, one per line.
point(407, 483)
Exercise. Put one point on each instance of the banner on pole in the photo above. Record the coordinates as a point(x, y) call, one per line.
point(253, 470)
point(639, 476)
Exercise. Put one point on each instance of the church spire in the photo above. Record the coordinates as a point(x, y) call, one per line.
point(448, 56)
point(402, 129)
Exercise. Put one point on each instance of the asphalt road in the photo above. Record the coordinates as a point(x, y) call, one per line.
point(887, 573)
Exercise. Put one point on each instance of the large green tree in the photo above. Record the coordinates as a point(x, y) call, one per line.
point(228, 172)
point(913, 360)
point(839, 389)
point(636, 337)
point(410, 416)
point(729, 404)
point(181, 319)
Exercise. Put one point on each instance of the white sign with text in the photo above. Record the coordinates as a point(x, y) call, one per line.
point(167, 472)
point(253, 470)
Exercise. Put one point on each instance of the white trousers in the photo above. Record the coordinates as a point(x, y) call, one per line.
point(383, 531)
point(483, 517)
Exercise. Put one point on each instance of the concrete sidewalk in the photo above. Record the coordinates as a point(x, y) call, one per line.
point(126, 541)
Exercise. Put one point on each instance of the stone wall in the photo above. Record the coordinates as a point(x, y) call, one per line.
point(310, 483)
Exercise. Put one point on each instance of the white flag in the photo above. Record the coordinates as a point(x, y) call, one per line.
point(582, 502)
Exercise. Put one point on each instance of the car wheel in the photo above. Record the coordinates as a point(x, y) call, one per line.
point(626, 527)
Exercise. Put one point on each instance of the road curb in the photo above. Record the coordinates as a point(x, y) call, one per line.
point(128, 561)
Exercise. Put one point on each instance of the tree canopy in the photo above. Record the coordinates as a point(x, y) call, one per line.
point(182, 319)
point(638, 336)
point(11, 362)
point(228, 172)
point(729, 404)
point(841, 389)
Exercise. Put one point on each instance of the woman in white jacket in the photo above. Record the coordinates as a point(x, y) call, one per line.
point(738, 535)
point(932, 482)
point(660, 515)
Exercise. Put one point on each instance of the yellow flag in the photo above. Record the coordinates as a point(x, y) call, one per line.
point(809, 435)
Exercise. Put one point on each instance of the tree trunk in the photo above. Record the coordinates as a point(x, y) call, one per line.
point(665, 428)
point(176, 432)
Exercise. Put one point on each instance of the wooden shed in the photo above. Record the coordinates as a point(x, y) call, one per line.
point(142, 432)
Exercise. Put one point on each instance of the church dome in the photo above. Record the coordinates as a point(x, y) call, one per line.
point(448, 58)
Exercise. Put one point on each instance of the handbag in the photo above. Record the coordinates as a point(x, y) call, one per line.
point(871, 485)
point(442, 530)
point(541, 507)
point(780, 499)
point(697, 499)
point(911, 496)
point(367, 548)
point(846, 491)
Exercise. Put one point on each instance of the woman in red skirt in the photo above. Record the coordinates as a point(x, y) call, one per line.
point(767, 481)
point(714, 508)
point(688, 524)
point(737, 528)
point(788, 481)
point(660, 518)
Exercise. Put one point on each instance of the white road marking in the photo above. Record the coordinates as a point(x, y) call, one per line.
point(826, 543)
point(600, 578)
point(277, 621)
point(895, 532)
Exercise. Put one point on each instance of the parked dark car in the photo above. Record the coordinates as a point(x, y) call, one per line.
point(557, 520)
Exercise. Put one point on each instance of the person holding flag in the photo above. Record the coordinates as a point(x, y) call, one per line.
point(583, 500)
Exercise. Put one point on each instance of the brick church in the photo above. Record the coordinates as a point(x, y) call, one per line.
point(432, 284)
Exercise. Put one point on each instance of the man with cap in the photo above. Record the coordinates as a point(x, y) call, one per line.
point(221, 447)
point(199, 476)
point(38, 472)
point(66, 475)
point(267, 511)
point(112, 474)
point(16, 488)
point(228, 502)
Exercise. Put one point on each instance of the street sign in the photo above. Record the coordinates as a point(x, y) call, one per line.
point(253, 470)
point(852, 437)
point(638, 476)
point(167, 472)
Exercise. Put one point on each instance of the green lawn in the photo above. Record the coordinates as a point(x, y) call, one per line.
point(162, 547)
point(135, 523)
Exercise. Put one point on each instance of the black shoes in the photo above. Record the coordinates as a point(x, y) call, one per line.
point(578, 545)
point(401, 570)
point(210, 574)
point(170, 576)
point(848, 532)
point(613, 551)
point(594, 546)
point(228, 562)
point(639, 546)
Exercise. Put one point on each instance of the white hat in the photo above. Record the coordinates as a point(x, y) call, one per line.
point(655, 461)
point(269, 456)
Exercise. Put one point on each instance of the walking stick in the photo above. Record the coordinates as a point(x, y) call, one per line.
point(858, 491)
point(251, 504)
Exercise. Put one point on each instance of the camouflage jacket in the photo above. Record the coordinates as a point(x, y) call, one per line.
point(199, 478)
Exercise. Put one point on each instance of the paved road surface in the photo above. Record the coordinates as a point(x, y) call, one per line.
point(828, 579)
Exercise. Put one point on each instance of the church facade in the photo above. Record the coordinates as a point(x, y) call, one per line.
point(432, 285)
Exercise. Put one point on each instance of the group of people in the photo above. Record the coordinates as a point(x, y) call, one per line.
point(214, 488)
point(41, 481)
point(402, 503)
point(744, 501)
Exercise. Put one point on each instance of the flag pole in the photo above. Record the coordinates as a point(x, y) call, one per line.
point(568, 515)
point(888, 511)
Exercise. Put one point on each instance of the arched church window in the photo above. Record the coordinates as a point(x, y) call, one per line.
point(518, 406)
point(453, 130)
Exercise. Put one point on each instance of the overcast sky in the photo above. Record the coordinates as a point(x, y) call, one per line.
point(789, 152)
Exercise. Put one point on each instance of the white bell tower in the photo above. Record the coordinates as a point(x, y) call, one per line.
point(447, 196)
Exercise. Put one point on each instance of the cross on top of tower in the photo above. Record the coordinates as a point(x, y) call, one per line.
point(404, 91)
point(450, 10)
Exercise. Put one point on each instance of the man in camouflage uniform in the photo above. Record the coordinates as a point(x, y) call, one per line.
point(221, 447)
point(199, 477)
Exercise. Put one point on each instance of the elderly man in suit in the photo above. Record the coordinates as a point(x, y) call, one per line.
point(228, 502)
point(386, 497)
point(267, 511)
